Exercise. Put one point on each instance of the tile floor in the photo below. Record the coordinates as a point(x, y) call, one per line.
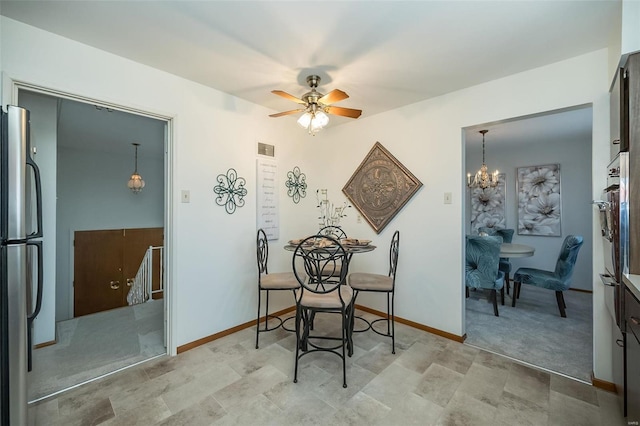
point(430, 380)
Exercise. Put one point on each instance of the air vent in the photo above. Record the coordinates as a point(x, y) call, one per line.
point(266, 149)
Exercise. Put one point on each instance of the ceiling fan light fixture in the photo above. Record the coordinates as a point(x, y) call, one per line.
point(313, 121)
point(321, 119)
point(305, 120)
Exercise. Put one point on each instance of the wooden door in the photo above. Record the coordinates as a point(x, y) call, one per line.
point(106, 262)
point(136, 243)
point(98, 284)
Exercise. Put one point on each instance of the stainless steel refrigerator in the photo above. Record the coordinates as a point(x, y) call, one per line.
point(20, 261)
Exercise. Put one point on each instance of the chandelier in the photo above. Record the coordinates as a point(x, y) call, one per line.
point(483, 179)
point(136, 183)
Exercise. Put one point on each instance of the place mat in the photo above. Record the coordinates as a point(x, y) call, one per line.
point(355, 242)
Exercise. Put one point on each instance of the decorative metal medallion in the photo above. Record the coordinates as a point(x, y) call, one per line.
point(230, 190)
point(296, 184)
point(380, 187)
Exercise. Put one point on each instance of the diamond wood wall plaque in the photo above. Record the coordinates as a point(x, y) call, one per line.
point(380, 187)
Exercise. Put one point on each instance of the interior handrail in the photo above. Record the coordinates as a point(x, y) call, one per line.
point(142, 287)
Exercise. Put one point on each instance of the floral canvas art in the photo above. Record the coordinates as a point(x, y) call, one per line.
point(539, 202)
point(488, 206)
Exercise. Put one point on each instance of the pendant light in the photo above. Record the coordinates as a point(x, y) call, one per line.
point(136, 183)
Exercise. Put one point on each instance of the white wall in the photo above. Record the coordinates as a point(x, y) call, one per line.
point(574, 157)
point(93, 194)
point(43, 138)
point(214, 281)
point(630, 40)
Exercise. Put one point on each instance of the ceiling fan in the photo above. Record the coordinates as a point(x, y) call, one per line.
point(316, 106)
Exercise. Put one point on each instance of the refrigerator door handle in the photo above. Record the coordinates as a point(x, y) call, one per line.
point(36, 173)
point(38, 305)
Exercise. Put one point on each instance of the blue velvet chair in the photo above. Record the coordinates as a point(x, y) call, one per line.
point(481, 266)
point(558, 280)
point(507, 237)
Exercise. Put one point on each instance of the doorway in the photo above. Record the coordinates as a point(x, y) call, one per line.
point(533, 331)
point(86, 155)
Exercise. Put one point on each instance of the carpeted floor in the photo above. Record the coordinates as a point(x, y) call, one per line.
point(534, 332)
point(92, 345)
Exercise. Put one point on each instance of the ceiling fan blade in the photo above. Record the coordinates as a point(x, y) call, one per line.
point(345, 112)
point(288, 96)
point(333, 96)
point(280, 114)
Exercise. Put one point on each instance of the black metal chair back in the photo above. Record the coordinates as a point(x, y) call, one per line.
point(320, 268)
point(394, 249)
point(262, 252)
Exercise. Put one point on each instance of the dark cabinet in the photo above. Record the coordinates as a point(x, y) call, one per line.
point(632, 318)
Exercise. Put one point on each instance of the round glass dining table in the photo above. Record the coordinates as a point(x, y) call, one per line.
point(349, 248)
point(516, 250)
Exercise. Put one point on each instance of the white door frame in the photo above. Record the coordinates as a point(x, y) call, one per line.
point(169, 272)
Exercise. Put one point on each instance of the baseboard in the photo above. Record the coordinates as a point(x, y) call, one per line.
point(44, 344)
point(581, 290)
point(223, 333)
point(603, 384)
point(450, 336)
point(229, 331)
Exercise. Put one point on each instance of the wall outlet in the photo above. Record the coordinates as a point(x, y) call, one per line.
point(185, 196)
point(447, 197)
point(359, 219)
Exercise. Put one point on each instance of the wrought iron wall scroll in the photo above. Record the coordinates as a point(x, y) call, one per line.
point(296, 184)
point(230, 190)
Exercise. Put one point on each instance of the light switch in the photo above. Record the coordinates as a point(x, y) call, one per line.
point(186, 196)
point(447, 197)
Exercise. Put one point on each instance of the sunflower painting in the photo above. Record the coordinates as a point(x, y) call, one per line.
point(488, 206)
point(539, 200)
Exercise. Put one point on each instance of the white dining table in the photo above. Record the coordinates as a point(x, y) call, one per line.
point(510, 250)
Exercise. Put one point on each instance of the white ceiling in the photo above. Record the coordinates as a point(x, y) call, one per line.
point(384, 54)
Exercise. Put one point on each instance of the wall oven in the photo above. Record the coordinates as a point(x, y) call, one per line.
point(610, 226)
point(614, 226)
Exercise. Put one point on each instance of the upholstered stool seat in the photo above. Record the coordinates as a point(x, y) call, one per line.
point(279, 281)
point(331, 300)
point(363, 281)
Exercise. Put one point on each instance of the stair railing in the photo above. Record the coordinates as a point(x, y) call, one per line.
point(142, 285)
